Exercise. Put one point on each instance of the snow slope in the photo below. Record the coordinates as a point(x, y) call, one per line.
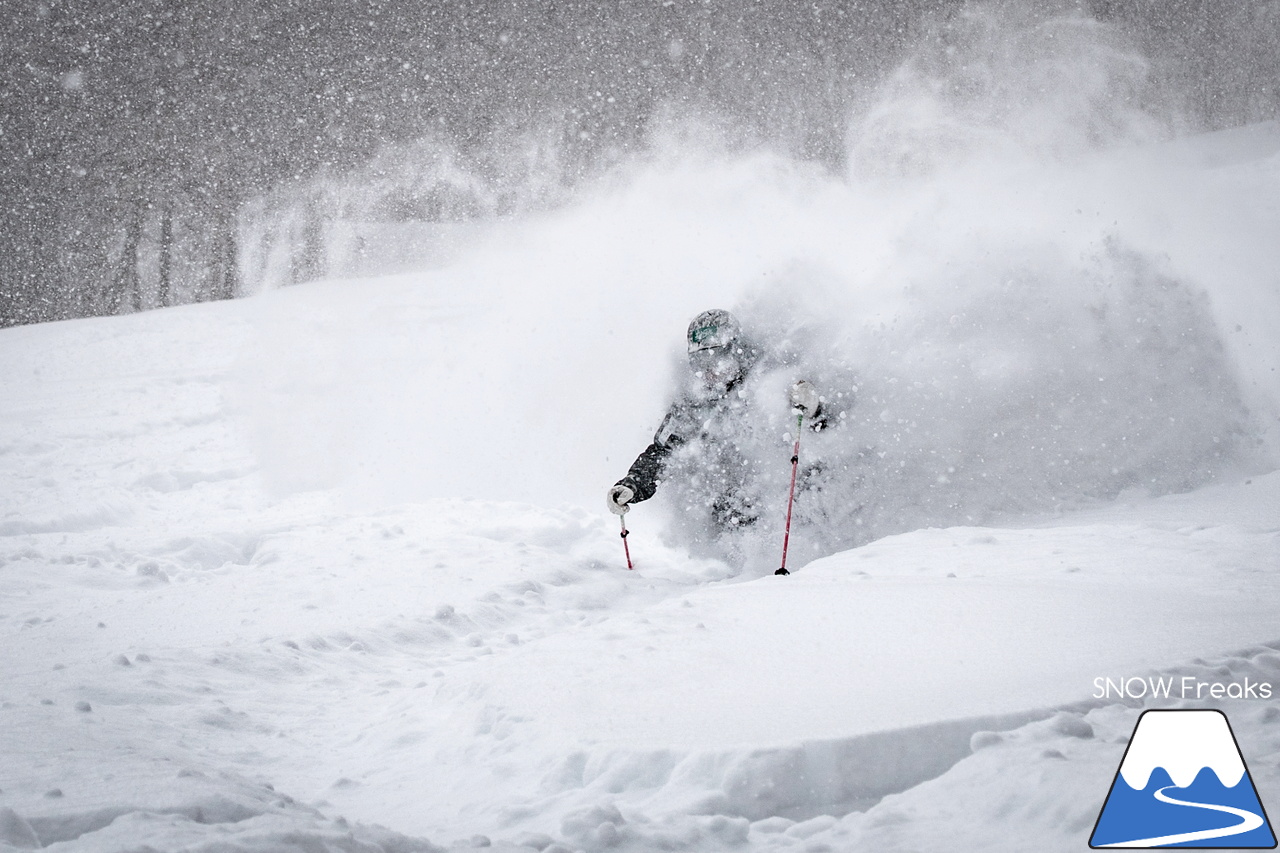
point(329, 567)
point(194, 655)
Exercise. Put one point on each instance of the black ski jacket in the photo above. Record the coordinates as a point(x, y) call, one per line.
point(687, 419)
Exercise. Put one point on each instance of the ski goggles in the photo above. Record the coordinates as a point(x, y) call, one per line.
point(710, 336)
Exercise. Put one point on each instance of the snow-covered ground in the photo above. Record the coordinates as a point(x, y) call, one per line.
point(329, 568)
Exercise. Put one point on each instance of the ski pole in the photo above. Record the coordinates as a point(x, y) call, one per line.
point(791, 495)
point(625, 547)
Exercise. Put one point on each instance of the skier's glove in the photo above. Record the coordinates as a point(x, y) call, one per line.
point(805, 399)
point(618, 498)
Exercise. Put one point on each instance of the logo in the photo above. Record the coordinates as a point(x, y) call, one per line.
point(1183, 783)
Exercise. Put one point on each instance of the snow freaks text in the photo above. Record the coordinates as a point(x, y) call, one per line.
point(1185, 687)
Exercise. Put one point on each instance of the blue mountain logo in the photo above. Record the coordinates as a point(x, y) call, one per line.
point(1183, 783)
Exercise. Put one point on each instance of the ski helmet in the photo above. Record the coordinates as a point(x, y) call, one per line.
point(714, 328)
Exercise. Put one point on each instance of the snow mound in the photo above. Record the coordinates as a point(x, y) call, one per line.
point(209, 827)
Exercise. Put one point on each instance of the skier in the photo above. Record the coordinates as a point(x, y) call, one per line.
point(698, 439)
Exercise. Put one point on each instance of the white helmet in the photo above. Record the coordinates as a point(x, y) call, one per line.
point(717, 356)
point(714, 328)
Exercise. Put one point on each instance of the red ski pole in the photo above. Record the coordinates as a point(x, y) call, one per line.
point(625, 547)
point(791, 495)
